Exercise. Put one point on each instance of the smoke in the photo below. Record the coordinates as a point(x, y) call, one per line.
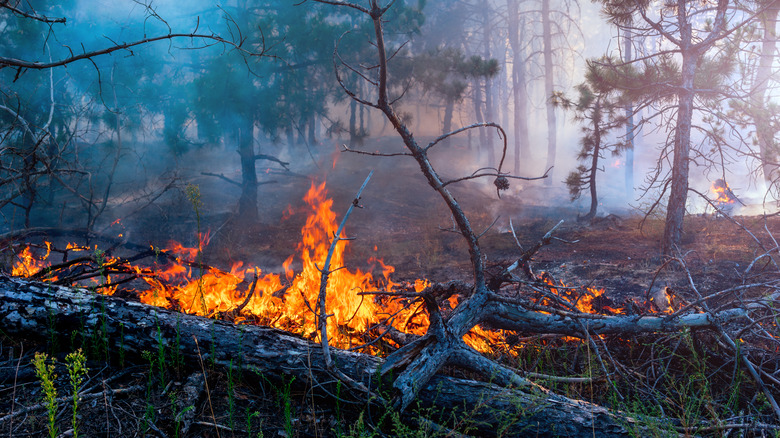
point(139, 124)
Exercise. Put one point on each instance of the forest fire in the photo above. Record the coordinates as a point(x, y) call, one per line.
point(285, 301)
point(289, 301)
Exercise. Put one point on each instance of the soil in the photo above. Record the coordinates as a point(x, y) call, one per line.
point(404, 223)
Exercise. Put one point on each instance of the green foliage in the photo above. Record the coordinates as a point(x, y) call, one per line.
point(285, 400)
point(597, 105)
point(161, 363)
point(249, 420)
point(149, 416)
point(46, 376)
point(77, 369)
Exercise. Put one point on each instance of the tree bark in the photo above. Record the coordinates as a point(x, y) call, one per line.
point(489, 105)
point(678, 196)
point(552, 134)
point(40, 310)
point(594, 162)
point(247, 203)
point(762, 117)
point(519, 92)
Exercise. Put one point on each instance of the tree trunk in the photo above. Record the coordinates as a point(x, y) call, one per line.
point(675, 210)
point(489, 106)
point(312, 129)
point(549, 70)
point(594, 162)
point(522, 151)
point(449, 107)
point(761, 115)
point(41, 311)
point(247, 203)
point(478, 111)
point(629, 170)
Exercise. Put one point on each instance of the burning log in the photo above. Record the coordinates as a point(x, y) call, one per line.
point(725, 196)
point(38, 310)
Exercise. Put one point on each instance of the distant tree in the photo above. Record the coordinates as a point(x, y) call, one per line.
point(38, 110)
point(481, 70)
point(695, 61)
point(444, 74)
point(519, 44)
point(760, 107)
point(558, 20)
point(597, 106)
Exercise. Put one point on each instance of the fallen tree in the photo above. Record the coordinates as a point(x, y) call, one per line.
point(42, 310)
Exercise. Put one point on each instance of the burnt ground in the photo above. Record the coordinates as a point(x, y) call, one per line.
point(403, 223)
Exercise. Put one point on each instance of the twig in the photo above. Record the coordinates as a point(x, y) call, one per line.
point(206, 381)
point(325, 273)
point(740, 352)
point(249, 294)
point(64, 399)
point(524, 259)
point(13, 394)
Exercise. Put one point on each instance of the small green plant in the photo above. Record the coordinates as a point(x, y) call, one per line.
point(45, 373)
point(173, 399)
point(358, 429)
point(52, 329)
point(249, 418)
point(160, 351)
point(77, 369)
point(100, 333)
point(231, 396)
point(286, 401)
point(339, 430)
point(149, 411)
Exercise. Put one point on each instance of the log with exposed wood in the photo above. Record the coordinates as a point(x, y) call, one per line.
point(40, 310)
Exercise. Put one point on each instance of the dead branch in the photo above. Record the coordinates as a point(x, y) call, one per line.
point(325, 273)
point(21, 64)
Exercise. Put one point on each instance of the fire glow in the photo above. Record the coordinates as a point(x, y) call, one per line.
point(288, 301)
point(723, 193)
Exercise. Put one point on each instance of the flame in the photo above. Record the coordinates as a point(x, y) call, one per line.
point(585, 301)
point(290, 304)
point(27, 265)
point(724, 194)
point(289, 300)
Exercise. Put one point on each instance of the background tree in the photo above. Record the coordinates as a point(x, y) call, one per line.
point(44, 146)
point(759, 106)
point(597, 107)
point(694, 59)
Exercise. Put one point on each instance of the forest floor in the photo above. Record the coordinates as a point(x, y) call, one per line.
point(403, 223)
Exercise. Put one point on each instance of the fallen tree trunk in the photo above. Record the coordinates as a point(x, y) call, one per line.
point(41, 310)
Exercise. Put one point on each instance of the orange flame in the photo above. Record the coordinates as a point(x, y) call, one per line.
point(27, 265)
point(724, 194)
point(289, 300)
